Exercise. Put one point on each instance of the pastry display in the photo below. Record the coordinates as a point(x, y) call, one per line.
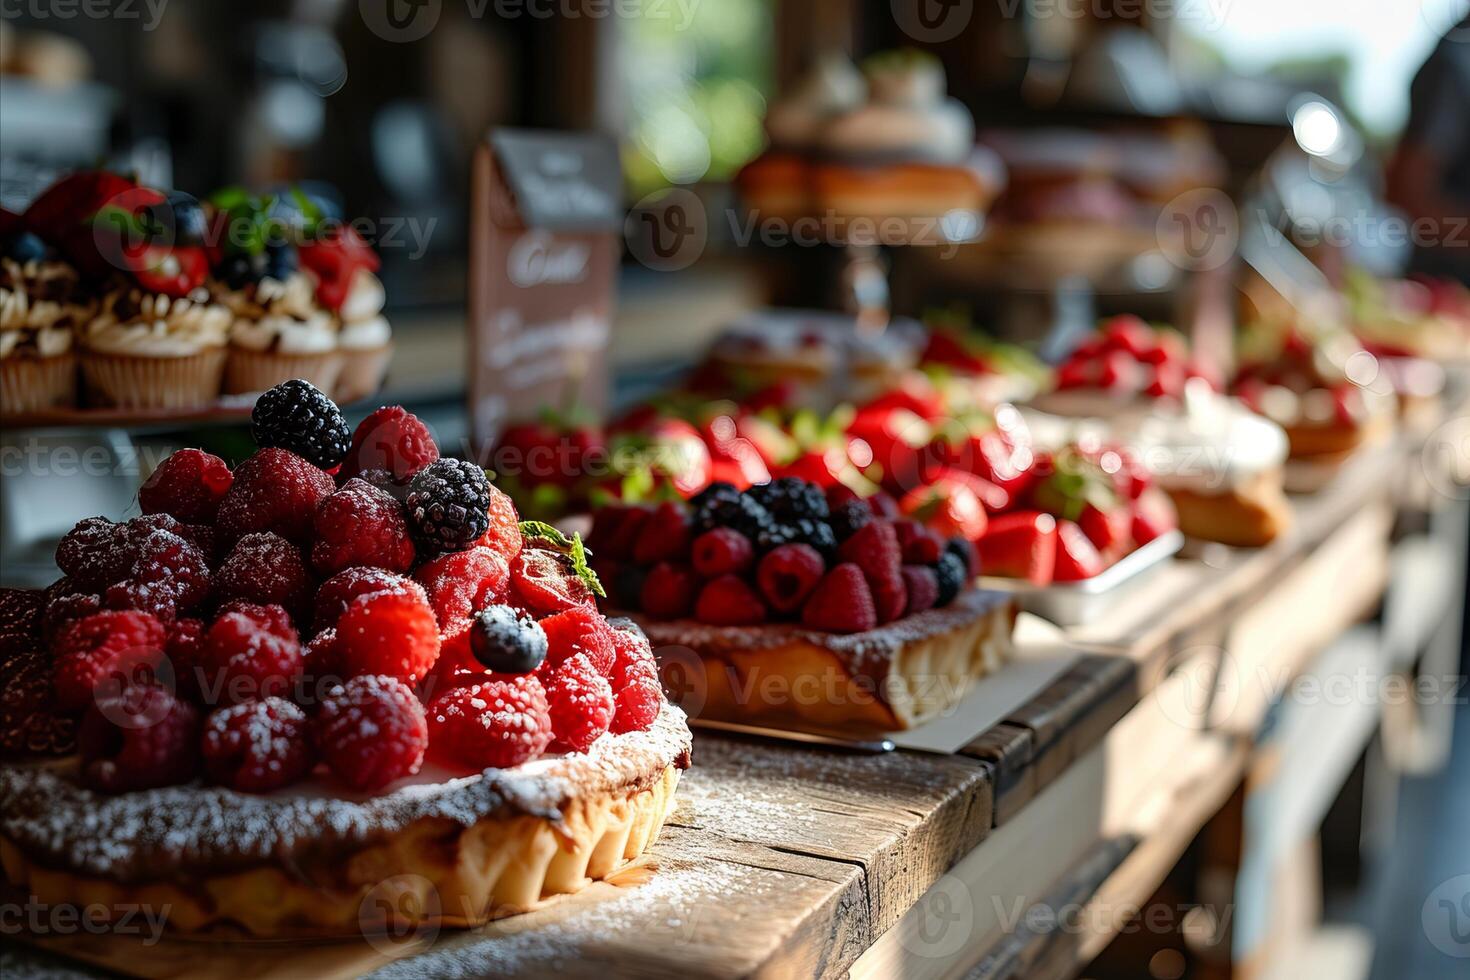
point(985, 372)
point(42, 302)
point(886, 146)
point(1219, 462)
point(1316, 386)
point(341, 667)
point(128, 297)
point(791, 606)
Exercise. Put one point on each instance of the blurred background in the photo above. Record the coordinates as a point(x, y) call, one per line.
point(1299, 115)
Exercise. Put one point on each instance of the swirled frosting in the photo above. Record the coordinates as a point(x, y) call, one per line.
point(363, 325)
point(280, 315)
point(833, 85)
point(907, 115)
point(42, 303)
point(139, 324)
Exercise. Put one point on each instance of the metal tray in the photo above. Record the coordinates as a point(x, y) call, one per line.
point(1078, 603)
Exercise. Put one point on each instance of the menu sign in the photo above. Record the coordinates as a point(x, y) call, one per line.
point(546, 225)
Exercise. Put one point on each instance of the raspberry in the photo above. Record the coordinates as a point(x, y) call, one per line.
point(294, 415)
point(841, 602)
point(66, 608)
point(637, 705)
point(632, 657)
point(576, 632)
point(94, 554)
point(494, 724)
point(104, 646)
point(664, 536)
point(139, 737)
point(271, 618)
point(504, 534)
point(722, 551)
point(952, 576)
point(580, 703)
point(922, 585)
point(184, 648)
point(274, 490)
point(392, 440)
point(544, 582)
point(154, 600)
point(787, 575)
point(371, 731)
point(389, 633)
point(361, 525)
point(875, 550)
point(449, 505)
point(256, 746)
point(337, 592)
point(461, 582)
point(668, 591)
point(266, 569)
point(884, 506)
point(728, 601)
point(187, 485)
point(246, 657)
point(319, 660)
point(168, 562)
point(30, 721)
point(20, 611)
point(611, 536)
point(507, 642)
point(920, 546)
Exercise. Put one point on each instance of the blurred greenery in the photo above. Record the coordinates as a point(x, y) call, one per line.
point(696, 91)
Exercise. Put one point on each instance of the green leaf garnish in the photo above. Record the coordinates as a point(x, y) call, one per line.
point(545, 532)
point(583, 570)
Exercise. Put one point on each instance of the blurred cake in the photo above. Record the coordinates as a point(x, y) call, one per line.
point(42, 302)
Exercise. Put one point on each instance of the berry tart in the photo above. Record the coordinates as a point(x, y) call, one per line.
point(783, 605)
point(1220, 462)
point(343, 669)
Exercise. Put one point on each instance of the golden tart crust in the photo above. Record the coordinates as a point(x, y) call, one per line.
point(458, 852)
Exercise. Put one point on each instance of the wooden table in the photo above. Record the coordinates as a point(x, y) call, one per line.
point(782, 861)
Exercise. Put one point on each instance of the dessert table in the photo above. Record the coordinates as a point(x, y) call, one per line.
point(788, 861)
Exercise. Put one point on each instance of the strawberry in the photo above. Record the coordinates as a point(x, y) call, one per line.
point(1108, 530)
point(1167, 381)
point(954, 504)
point(1129, 334)
point(1119, 372)
point(1152, 516)
point(1020, 544)
point(175, 271)
point(335, 258)
point(1076, 556)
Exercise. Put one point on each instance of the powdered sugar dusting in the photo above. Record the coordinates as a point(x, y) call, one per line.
point(197, 829)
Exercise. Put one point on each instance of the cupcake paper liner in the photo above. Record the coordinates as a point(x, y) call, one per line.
point(362, 373)
point(121, 381)
point(249, 371)
point(34, 384)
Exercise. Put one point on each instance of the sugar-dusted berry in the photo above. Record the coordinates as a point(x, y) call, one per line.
point(257, 746)
point(387, 633)
point(138, 737)
point(277, 491)
point(371, 731)
point(492, 724)
point(188, 485)
point(361, 525)
point(580, 702)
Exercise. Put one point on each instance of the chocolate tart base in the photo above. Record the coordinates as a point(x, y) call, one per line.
point(459, 852)
point(892, 678)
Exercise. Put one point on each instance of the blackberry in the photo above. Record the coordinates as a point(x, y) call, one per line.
point(448, 505)
point(507, 642)
point(741, 513)
point(297, 417)
point(791, 498)
point(849, 518)
point(964, 550)
point(802, 531)
point(951, 573)
point(719, 490)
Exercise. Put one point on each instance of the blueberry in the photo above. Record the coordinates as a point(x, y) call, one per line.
point(190, 223)
point(281, 261)
point(507, 642)
point(25, 247)
point(241, 269)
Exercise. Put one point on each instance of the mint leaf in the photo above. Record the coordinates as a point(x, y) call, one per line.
point(580, 566)
point(545, 532)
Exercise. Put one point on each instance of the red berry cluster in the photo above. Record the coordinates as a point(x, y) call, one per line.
point(256, 624)
point(782, 551)
point(1128, 355)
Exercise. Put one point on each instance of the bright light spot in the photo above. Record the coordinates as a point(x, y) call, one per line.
point(1317, 129)
point(1361, 368)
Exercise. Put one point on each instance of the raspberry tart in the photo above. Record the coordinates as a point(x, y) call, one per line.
point(788, 606)
point(340, 688)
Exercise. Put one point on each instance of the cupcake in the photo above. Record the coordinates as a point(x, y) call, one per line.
point(279, 332)
point(42, 302)
point(148, 350)
point(364, 338)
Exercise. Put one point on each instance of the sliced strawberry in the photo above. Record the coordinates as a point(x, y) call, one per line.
point(955, 504)
point(1153, 516)
point(1077, 557)
point(170, 271)
point(1021, 544)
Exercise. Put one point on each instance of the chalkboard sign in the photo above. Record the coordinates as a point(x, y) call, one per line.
point(545, 237)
